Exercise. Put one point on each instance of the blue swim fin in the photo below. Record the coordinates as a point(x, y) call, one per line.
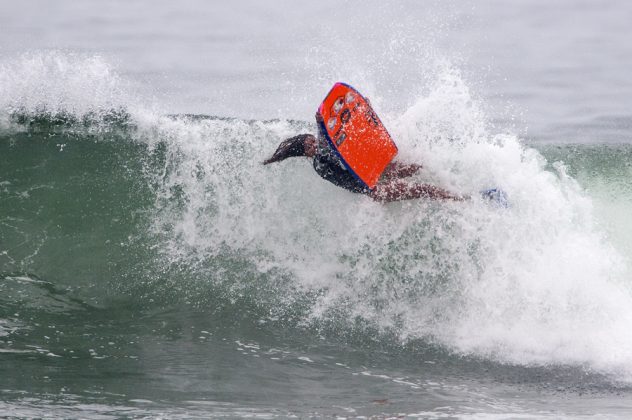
point(496, 197)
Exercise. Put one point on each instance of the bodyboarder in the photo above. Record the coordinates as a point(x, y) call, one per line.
point(391, 186)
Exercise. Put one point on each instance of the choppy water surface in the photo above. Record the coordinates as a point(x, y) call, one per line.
point(151, 266)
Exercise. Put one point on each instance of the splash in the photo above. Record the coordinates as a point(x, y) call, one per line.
point(536, 284)
point(62, 87)
point(539, 283)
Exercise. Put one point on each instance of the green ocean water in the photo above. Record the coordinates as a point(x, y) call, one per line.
point(108, 309)
point(152, 267)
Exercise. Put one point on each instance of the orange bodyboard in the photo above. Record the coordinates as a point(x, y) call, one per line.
point(356, 133)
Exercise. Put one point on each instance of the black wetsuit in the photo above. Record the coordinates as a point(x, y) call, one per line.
point(328, 165)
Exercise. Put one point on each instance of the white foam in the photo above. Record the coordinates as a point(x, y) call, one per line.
point(57, 83)
point(547, 286)
point(535, 284)
point(538, 283)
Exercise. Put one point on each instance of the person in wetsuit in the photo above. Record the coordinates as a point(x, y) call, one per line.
point(329, 166)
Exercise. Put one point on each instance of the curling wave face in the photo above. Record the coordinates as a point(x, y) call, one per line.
point(187, 211)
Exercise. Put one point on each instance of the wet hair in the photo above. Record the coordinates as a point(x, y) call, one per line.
point(294, 146)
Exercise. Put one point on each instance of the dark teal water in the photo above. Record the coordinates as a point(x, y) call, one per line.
point(109, 309)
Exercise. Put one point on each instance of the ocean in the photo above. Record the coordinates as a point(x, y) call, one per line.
point(152, 267)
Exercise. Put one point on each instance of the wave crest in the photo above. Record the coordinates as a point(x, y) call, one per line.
point(61, 88)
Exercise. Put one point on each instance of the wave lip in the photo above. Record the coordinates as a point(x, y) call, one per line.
point(61, 87)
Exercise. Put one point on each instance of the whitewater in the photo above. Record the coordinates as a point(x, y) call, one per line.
point(151, 266)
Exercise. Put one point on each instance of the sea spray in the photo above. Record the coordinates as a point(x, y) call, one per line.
point(56, 84)
point(534, 284)
point(538, 283)
point(548, 287)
